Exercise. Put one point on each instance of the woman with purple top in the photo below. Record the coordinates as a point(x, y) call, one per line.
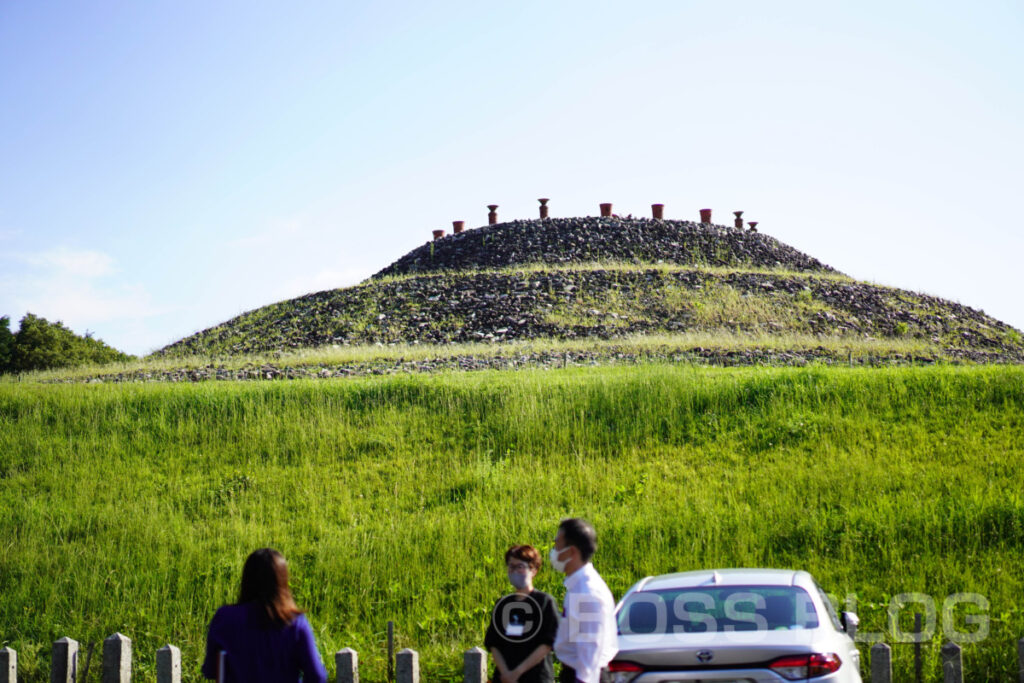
point(265, 635)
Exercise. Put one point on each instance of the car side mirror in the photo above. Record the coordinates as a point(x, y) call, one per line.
point(850, 622)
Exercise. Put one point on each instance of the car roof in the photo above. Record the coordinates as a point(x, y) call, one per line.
point(727, 577)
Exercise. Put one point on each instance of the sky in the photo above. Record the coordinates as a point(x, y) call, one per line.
point(165, 166)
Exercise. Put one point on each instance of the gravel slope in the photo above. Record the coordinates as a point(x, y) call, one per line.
point(580, 240)
point(464, 307)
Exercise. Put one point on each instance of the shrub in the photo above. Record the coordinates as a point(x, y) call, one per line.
point(6, 343)
point(41, 345)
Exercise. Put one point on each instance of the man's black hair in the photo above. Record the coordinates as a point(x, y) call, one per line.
point(579, 534)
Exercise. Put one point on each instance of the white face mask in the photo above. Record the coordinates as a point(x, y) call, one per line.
point(558, 564)
point(519, 580)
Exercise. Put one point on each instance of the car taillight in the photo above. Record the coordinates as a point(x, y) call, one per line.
point(796, 667)
point(624, 672)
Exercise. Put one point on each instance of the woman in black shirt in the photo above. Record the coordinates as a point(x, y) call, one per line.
point(523, 624)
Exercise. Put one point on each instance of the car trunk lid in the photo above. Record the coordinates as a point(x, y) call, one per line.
point(732, 649)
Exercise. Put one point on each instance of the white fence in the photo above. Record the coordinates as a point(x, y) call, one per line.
point(117, 663)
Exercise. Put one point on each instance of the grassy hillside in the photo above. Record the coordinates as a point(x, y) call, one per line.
point(609, 300)
point(131, 508)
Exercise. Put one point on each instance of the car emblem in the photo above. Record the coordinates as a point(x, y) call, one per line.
point(705, 656)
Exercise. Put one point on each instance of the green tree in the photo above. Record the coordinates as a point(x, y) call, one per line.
point(6, 344)
point(38, 345)
point(42, 345)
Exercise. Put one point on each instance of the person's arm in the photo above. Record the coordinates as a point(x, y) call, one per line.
point(213, 648)
point(565, 639)
point(546, 637)
point(312, 667)
point(209, 669)
point(585, 632)
point(491, 642)
point(533, 660)
point(551, 616)
point(499, 661)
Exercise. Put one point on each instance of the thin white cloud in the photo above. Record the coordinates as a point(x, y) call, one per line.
point(86, 304)
point(62, 261)
point(76, 288)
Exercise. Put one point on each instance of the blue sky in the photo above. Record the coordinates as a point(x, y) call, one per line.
point(165, 166)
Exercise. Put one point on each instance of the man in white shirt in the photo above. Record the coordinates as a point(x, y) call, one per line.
point(587, 637)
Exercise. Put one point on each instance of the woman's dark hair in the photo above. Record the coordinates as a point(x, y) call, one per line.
point(526, 553)
point(265, 582)
point(580, 535)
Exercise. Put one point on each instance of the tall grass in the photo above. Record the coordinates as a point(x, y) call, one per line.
point(131, 508)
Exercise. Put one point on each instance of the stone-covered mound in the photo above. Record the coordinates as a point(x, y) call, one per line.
point(608, 278)
point(584, 240)
point(607, 302)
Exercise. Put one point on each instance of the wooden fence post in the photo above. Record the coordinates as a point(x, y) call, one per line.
point(952, 663)
point(407, 666)
point(168, 665)
point(8, 665)
point(474, 666)
point(64, 661)
point(881, 663)
point(117, 659)
point(347, 663)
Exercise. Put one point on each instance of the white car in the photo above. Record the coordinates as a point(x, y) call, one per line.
point(733, 626)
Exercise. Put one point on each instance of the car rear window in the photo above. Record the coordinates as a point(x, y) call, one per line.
point(717, 609)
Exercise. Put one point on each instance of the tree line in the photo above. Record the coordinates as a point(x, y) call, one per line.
point(41, 345)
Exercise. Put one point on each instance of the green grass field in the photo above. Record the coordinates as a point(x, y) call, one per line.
point(131, 508)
